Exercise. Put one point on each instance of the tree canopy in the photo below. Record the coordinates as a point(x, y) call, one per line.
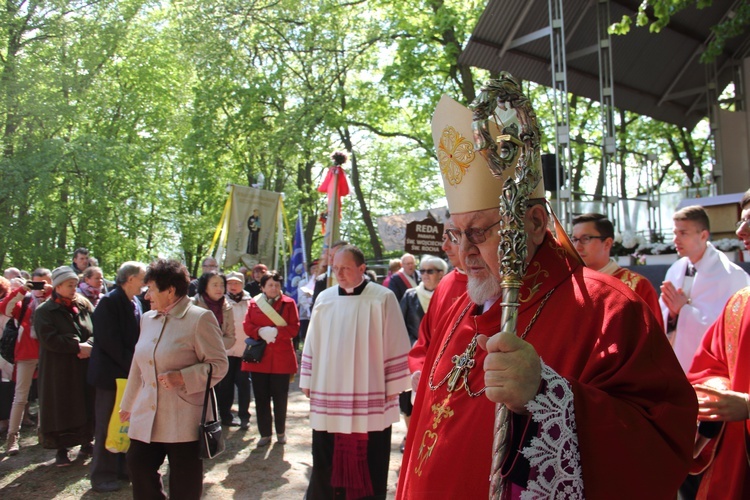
point(656, 14)
point(123, 122)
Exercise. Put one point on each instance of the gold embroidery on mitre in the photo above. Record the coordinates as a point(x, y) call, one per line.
point(455, 154)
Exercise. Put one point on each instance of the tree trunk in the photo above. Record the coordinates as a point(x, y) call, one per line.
point(377, 248)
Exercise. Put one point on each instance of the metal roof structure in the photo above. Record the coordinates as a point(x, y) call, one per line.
point(657, 75)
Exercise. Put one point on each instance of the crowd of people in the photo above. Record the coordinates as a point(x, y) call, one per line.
point(604, 387)
point(78, 334)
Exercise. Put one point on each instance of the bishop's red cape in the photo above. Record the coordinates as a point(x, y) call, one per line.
point(625, 411)
point(643, 288)
point(725, 459)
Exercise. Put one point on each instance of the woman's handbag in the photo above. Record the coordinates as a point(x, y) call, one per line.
point(254, 350)
point(117, 432)
point(209, 433)
point(10, 334)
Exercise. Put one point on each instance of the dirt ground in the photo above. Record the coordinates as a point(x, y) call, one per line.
point(242, 471)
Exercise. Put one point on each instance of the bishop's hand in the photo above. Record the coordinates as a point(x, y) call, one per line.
point(512, 370)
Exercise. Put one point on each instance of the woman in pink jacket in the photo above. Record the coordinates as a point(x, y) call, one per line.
point(273, 317)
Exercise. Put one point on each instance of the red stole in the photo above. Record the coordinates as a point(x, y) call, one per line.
point(726, 458)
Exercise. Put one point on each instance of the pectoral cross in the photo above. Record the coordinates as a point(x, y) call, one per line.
point(462, 365)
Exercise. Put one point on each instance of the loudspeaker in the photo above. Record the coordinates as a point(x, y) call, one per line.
point(549, 160)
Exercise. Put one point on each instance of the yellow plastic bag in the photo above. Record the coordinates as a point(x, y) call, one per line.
point(117, 432)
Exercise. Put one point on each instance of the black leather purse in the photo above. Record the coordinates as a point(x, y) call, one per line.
point(209, 433)
point(254, 350)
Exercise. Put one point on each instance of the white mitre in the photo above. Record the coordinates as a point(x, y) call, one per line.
point(468, 181)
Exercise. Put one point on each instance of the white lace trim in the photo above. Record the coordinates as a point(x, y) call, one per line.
point(553, 454)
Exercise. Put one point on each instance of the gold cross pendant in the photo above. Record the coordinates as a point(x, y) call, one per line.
point(462, 365)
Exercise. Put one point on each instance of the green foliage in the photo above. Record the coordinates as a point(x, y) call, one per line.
point(123, 122)
point(656, 14)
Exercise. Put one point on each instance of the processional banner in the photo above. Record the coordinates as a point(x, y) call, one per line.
point(248, 229)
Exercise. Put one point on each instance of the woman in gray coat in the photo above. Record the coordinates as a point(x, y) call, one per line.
point(163, 399)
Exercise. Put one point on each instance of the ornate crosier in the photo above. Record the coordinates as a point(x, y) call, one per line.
point(517, 149)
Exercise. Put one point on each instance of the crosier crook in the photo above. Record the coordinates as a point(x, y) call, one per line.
point(519, 150)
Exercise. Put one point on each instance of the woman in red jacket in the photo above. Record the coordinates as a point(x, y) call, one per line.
point(273, 317)
point(27, 347)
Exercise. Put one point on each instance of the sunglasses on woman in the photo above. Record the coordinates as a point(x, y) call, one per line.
point(428, 271)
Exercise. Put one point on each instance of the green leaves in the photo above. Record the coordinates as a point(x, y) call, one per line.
point(123, 122)
point(656, 14)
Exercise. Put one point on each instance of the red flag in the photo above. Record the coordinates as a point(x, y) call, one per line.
point(328, 185)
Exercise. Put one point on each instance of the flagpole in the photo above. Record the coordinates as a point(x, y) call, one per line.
point(302, 240)
point(279, 233)
point(222, 230)
point(333, 221)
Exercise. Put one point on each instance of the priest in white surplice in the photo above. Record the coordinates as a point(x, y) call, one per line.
point(697, 286)
point(354, 366)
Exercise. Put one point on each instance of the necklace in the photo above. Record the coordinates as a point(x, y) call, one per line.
point(463, 363)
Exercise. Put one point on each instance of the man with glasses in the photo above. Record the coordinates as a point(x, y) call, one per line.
point(697, 286)
point(593, 236)
point(208, 264)
point(595, 395)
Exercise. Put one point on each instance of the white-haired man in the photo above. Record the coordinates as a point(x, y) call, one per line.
point(596, 397)
point(405, 278)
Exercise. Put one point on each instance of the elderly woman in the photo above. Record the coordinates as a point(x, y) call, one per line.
point(211, 289)
point(66, 402)
point(91, 284)
point(414, 306)
point(163, 398)
point(273, 317)
point(210, 295)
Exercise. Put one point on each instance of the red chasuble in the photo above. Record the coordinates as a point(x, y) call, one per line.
point(643, 288)
point(723, 354)
point(632, 413)
point(450, 288)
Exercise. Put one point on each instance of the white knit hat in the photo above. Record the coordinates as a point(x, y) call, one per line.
point(468, 182)
point(63, 274)
point(235, 276)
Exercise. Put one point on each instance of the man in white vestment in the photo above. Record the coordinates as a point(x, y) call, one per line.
point(697, 286)
point(354, 366)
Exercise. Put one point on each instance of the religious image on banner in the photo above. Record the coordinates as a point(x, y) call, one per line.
point(253, 225)
point(252, 230)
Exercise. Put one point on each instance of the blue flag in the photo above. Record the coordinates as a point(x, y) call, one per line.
point(297, 270)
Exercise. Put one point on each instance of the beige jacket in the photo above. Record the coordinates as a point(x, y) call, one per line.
point(227, 325)
point(239, 311)
point(187, 339)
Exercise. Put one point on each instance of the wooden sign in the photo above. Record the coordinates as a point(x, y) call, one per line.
point(424, 237)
